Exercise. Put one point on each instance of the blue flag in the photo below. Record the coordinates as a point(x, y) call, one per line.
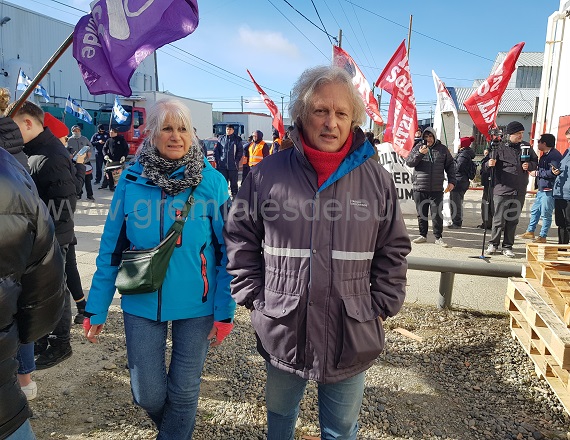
point(119, 113)
point(24, 81)
point(75, 109)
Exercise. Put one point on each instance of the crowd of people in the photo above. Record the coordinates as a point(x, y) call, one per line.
point(252, 244)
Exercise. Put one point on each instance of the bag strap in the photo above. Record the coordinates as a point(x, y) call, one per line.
point(181, 220)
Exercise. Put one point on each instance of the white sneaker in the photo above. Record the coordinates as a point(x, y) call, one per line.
point(31, 390)
point(491, 249)
point(508, 253)
point(441, 242)
point(420, 239)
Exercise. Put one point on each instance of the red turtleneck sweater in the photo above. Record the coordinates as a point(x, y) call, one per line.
point(323, 162)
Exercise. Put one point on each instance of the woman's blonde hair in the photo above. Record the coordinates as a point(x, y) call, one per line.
point(163, 108)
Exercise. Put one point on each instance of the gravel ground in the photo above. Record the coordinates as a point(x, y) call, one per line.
point(467, 379)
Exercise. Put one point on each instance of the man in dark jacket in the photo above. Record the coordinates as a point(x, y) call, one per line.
point(463, 161)
point(115, 153)
point(74, 144)
point(32, 289)
point(58, 181)
point(431, 161)
point(512, 161)
point(543, 205)
point(98, 141)
point(228, 153)
point(317, 247)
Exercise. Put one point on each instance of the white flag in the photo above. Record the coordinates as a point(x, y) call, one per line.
point(445, 104)
point(119, 113)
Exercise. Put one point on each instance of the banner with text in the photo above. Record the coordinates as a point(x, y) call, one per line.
point(483, 104)
point(402, 114)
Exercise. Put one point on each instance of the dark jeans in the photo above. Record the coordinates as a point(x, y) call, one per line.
point(232, 177)
point(73, 278)
point(456, 200)
point(88, 186)
point(99, 166)
point(562, 219)
point(507, 213)
point(244, 173)
point(487, 207)
point(427, 201)
point(61, 334)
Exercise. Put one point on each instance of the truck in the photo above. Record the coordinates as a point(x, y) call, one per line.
point(245, 123)
point(133, 129)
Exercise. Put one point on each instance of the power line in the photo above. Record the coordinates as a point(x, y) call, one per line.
point(301, 32)
point(417, 32)
point(308, 19)
point(318, 15)
point(354, 33)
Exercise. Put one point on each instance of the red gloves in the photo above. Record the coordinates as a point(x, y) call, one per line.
point(86, 324)
point(224, 329)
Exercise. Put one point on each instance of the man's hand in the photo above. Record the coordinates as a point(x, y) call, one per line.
point(449, 188)
point(80, 158)
point(525, 166)
point(492, 162)
point(107, 158)
point(423, 149)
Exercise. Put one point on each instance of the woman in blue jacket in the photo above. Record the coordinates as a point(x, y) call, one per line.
point(195, 296)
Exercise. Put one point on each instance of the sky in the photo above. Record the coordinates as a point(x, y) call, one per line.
point(278, 39)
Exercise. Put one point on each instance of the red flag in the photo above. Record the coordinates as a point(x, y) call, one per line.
point(277, 118)
point(483, 104)
point(343, 60)
point(402, 114)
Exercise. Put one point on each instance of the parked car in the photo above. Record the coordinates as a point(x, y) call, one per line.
point(210, 143)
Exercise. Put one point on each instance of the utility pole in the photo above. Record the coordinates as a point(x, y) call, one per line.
point(340, 38)
point(242, 104)
point(282, 112)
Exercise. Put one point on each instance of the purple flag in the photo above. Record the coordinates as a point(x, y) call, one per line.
point(112, 41)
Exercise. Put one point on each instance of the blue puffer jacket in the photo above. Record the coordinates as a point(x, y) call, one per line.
point(561, 188)
point(196, 282)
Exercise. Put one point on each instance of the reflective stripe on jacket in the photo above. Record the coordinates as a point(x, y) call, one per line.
point(256, 153)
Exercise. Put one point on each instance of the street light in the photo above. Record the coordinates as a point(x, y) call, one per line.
point(5, 20)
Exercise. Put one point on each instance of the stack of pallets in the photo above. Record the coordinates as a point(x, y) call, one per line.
point(539, 308)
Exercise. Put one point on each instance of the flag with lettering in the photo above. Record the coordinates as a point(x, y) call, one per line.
point(277, 118)
point(116, 37)
point(344, 60)
point(445, 104)
point(402, 114)
point(483, 104)
point(72, 107)
point(24, 81)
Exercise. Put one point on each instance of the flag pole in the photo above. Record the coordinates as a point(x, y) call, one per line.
point(31, 87)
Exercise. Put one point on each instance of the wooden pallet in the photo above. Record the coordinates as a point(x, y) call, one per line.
point(546, 368)
point(548, 253)
point(542, 325)
point(546, 265)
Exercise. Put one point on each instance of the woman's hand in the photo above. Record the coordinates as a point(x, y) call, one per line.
point(219, 332)
point(91, 331)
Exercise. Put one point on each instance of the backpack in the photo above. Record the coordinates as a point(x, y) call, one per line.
point(472, 171)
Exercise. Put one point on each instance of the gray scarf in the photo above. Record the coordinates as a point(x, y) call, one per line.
point(159, 170)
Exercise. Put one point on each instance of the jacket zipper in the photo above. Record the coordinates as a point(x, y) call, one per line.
point(204, 271)
point(159, 298)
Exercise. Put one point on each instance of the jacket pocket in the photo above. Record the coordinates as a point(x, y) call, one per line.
point(362, 334)
point(275, 320)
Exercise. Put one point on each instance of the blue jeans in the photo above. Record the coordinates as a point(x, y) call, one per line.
point(339, 405)
point(25, 357)
point(542, 208)
point(24, 432)
point(169, 396)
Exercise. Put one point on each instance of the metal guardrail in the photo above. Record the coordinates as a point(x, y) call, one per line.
point(448, 269)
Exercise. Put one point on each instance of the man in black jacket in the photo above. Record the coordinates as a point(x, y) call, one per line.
point(430, 160)
point(115, 150)
point(228, 153)
point(32, 288)
point(511, 163)
point(58, 181)
point(98, 141)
